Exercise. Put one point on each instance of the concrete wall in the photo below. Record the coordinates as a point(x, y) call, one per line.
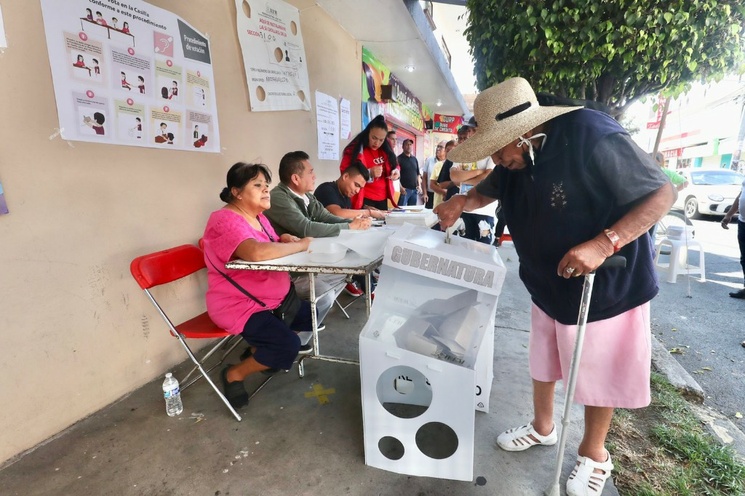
point(76, 332)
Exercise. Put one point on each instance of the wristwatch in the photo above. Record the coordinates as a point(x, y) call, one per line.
point(614, 239)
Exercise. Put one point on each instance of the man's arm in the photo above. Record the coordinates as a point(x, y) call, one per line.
point(733, 210)
point(468, 176)
point(588, 256)
point(287, 217)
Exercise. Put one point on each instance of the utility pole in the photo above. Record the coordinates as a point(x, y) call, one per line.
point(735, 164)
point(663, 118)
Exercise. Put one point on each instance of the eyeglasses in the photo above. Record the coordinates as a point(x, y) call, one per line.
point(440, 147)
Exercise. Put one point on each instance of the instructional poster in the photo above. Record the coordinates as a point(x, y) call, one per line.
point(273, 55)
point(327, 124)
point(129, 73)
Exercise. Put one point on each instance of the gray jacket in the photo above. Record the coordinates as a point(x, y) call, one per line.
point(288, 214)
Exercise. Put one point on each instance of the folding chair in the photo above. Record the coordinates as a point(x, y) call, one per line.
point(167, 266)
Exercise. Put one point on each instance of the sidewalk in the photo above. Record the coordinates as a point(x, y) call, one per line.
point(294, 439)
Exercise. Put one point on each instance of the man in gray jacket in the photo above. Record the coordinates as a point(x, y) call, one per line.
point(296, 211)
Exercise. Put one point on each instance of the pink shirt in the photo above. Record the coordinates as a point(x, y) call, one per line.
point(227, 306)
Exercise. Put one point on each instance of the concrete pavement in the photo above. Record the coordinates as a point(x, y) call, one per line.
point(298, 436)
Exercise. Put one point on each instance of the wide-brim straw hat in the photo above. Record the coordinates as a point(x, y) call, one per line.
point(504, 113)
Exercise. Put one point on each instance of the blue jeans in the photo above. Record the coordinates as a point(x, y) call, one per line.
point(409, 197)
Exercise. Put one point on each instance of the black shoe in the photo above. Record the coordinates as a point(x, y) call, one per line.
point(305, 349)
point(740, 295)
point(234, 392)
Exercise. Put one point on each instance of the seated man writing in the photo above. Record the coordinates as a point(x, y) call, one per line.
point(336, 195)
point(294, 209)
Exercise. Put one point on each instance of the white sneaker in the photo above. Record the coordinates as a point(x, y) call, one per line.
point(524, 437)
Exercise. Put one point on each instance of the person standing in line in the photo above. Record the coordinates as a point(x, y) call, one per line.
point(427, 174)
point(374, 151)
point(440, 190)
point(411, 179)
point(738, 208)
point(392, 139)
point(478, 223)
point(575, 190)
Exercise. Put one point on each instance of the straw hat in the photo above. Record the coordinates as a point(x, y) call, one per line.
point(504, 113)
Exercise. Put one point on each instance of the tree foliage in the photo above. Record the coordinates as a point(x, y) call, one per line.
point(610, 51)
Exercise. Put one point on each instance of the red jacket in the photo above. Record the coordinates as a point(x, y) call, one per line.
point(380, 188)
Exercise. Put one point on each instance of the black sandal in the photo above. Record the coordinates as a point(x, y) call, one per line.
point(234, 391)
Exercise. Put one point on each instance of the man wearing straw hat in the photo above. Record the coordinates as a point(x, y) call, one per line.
point(575, 189)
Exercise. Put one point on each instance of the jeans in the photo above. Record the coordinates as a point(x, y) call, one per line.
point(409, 198)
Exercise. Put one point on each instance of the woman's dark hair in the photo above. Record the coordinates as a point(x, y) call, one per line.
point(239, 175)
point(99, 118)
point(164, 92)
point(363, 139)
point(95, 61)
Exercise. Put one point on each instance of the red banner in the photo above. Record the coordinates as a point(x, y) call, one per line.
point(447, 123)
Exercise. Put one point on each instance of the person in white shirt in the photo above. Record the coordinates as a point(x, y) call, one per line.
point(427, 174)
point(480, 222)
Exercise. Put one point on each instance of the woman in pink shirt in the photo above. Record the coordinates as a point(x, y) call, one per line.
point(240, 230)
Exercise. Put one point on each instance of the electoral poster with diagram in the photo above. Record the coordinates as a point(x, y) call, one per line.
point(273, 55)
point(129, 73)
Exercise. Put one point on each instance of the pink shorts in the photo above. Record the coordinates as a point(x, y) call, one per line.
point(616, 357)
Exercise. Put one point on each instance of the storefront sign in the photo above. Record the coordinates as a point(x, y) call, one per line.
point(447, 123)
point(383, 93)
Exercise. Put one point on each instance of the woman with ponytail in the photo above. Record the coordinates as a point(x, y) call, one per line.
point(240, 230)
point(372, 149)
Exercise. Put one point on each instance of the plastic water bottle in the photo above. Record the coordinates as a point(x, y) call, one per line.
point(172, 394)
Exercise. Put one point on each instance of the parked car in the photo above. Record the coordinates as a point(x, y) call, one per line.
point(709, 191)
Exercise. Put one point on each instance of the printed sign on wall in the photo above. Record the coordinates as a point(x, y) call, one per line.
point(130, 74)
point(273, 55)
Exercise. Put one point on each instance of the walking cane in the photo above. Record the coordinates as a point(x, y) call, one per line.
point(584, 305)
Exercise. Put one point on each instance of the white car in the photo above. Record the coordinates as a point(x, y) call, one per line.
point(709, 191)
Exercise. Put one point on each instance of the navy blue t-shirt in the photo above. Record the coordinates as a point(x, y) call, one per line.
point(587, 175)
point(329, 194)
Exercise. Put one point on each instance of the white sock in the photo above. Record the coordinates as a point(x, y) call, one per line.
point(304, 337)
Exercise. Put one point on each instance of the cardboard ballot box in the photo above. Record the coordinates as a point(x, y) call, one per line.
point(426, 353)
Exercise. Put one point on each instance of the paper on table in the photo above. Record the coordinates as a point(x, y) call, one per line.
point(368, 243)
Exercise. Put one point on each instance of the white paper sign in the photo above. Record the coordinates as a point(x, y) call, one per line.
point(130, 74)
point(273, 55)
point(327, 122)
point(346, 119)
point(3, 40)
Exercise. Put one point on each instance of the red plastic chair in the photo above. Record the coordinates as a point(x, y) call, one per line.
point(166, 266)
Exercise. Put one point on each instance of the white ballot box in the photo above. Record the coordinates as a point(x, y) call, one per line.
point(426, 353)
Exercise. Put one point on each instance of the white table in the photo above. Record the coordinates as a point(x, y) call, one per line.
point(352, 264)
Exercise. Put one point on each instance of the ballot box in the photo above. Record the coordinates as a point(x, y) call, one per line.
point(426, 353)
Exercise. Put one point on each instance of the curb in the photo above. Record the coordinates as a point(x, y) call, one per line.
point(665, 364)
point(717, 424)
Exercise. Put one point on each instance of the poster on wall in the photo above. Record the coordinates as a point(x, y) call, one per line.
point(3, 41)
point(130, 74)
point(3, 203)
point(327, 122)
point(273, 55)
point(345, 108)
